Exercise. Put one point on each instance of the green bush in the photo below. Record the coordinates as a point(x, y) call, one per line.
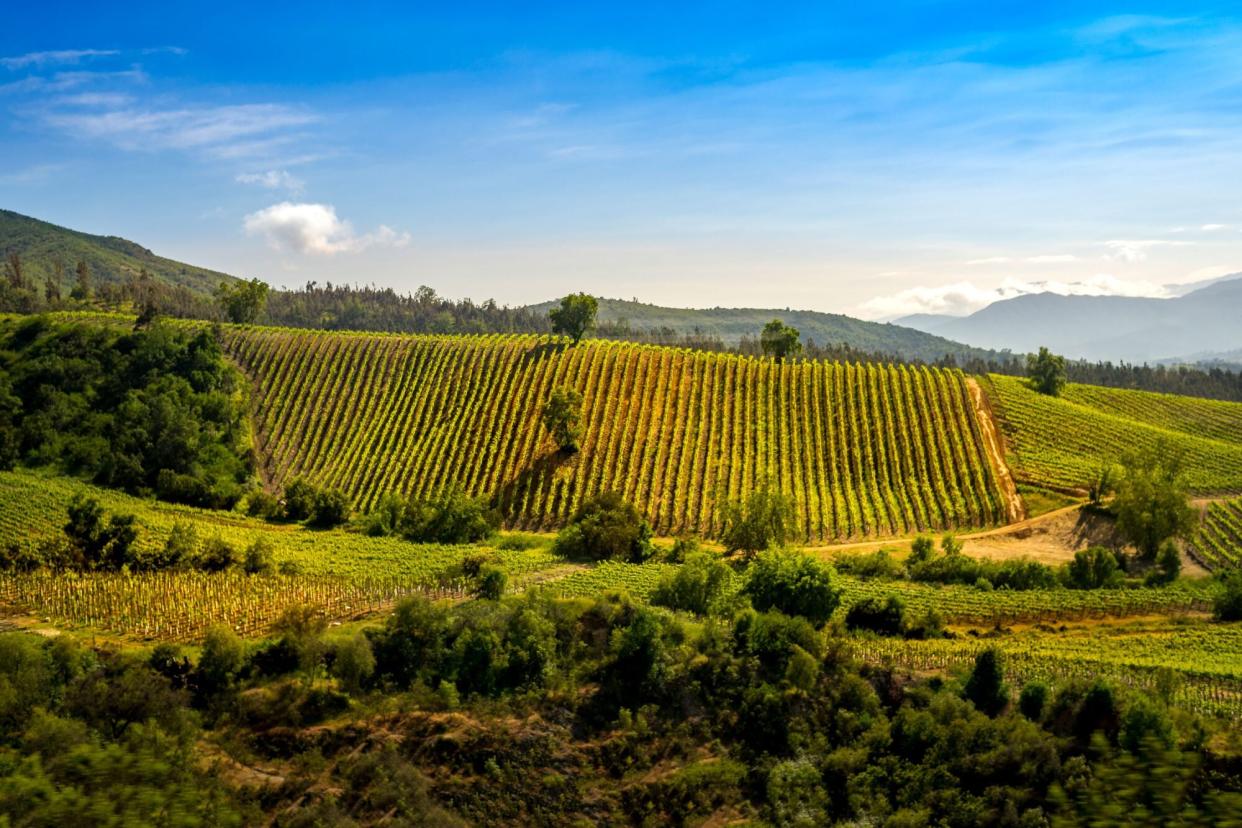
point(606, 528)
point(699, 585)
point(882, 616)
point(452, 516)
point(794, 584)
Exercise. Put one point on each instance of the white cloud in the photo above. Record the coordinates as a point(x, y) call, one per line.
point(1047, 258)
point(60, 56)
point(962, 298)
point(274, 180)
point(316, 229)
point(1135, 250)
point(1208, 228)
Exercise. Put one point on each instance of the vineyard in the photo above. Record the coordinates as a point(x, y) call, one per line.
point(1218, 542)
point(1059, 443)
point(862, 450)
point(344, 573)
point(1195, 666)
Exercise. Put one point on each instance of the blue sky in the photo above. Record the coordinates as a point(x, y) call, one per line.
point(904, 157)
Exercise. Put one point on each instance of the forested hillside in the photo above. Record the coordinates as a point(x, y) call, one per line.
point(862, 450)
point(45, 247)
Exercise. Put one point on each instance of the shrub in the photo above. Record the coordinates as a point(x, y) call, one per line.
point(1032, 700)
point(606, 528)
point(985, 688)
point(1228, 605)
point(299, 499)
point(883, 616)
point(492, 581)
point(216, 555)
point(698, 585)
point(385, 518)
point(452, 516)
point(353, 663)
point(761, 520)
point(1168, 564)
point(878, 564)
point(262, 504)
point(794, 584)
point(257, 559)
point(1093, 568)
point(181, 547)
point(331, 508)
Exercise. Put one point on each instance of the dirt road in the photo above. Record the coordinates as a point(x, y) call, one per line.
point(1015, 510)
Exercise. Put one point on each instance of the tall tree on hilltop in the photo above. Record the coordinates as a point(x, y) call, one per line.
point(575, 316)
point(242, 302)
point(1046, 372)
point(779, 340)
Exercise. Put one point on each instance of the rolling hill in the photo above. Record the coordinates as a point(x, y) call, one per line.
point(861, 450)
point(1061, 442)
point(731, 324)
point(112, 260)
point(1116, 328)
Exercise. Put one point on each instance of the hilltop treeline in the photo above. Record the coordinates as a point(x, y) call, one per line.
point(344, 307)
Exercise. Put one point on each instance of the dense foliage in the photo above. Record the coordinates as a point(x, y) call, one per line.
point(156, 410)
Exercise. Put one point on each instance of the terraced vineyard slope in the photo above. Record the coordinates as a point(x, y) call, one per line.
point(1218, 542)
point(1060, 442)
point(862, 450)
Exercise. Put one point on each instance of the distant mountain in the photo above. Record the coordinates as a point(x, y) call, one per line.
point(110, 258)
point(731, 324)
point(926, 322)
point(1203, 321)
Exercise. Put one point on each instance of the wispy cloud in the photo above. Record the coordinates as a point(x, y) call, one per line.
point(273, 180)
point(315, 229)
point(41, 59)
point(215, 129)
point(1041, 259)
point(1135, 250)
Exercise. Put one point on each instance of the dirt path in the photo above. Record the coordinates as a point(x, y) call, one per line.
point(1015, 510)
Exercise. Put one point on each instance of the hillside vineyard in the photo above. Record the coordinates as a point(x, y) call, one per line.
point(862, 450)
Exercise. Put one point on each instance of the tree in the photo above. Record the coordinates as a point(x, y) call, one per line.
point(491, 583)
point(100, 546)
point(242, 301)
point(575, 316)
point(331, 508)
point(885, 617)
point(1168, 564)
point(779, 340)
point(764, 518)
point(1046, 372)
point(1151, 503)
point(562, 416)
point(84, 287)
point(1093, 568)
point(353, 662)
point(606, 528)
point(51, 288)
point(793, 583)
point(14, 271)
point(985, 688)
point(1228, 605)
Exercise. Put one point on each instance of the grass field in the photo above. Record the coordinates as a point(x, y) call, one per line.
point(1060, 442)
point(862, 450)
